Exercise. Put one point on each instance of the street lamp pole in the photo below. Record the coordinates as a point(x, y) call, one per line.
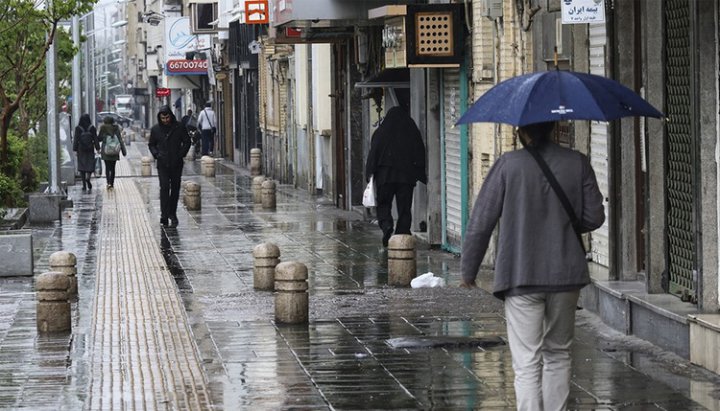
point(76, 86)
point(52, 120)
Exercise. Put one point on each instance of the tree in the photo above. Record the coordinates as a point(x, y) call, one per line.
point(27, 29)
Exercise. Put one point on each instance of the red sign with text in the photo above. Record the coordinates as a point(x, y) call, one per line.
point(186, 67)
point(162, 92)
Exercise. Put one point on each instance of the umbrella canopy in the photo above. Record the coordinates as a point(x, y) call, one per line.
point(555, 96)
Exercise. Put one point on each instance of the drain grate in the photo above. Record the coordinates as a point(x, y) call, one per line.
point(445, 342)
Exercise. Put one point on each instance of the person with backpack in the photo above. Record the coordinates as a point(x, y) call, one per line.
point(112, 146)
point(85, 143)
point(208, 127)
point(169, 143)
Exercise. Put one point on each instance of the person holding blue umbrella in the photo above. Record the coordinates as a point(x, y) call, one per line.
point(543, 197)
point(540, 265)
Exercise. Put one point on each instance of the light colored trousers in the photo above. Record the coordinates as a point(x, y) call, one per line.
point(540, 331)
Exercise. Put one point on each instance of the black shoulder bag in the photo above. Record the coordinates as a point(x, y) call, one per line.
point(559, 192)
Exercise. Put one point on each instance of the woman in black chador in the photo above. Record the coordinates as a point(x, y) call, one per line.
point(85, 144)
point(396, 161)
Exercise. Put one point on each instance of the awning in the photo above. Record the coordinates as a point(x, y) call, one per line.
point(394, 77)
point(183, 82)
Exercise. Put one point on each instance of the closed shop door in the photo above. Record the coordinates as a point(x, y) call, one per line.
point(452, 161)
point(680, 176)
point(600, 245)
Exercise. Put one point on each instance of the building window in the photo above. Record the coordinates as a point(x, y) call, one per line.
point(204, 17)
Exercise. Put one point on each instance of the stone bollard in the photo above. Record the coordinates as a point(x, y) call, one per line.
point(291, 297)
point(53, 308)
point(65, 262)
point(257, 189)
point(255, 162)
point(267, 256)
point(146, 169)
point(208, 166)
point(268, 194)
point(401, 260)
point(192, 196)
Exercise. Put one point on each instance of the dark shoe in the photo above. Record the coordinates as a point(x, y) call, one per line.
point(164, 222)
point(89, 185)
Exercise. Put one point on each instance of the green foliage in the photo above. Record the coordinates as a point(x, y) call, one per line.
point(37, 154)
point(11, 195)
point(26, 28)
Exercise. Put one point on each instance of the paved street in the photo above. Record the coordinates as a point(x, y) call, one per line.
point(168, 319)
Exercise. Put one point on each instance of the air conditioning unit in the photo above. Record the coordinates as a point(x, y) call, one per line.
point(491, 8)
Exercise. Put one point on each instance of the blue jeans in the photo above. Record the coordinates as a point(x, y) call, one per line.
point(208, 142)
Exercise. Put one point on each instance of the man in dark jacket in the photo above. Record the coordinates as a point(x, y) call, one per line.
point(169, 143)
point(396, 161)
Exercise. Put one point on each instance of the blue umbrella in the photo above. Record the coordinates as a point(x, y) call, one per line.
point(555, 96)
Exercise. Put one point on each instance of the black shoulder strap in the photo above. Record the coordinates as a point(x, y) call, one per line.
point(559, 192)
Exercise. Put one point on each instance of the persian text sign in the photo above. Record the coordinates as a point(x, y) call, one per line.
point(187, 67)
point(256, 12)
point(583, 11)
point(162, 92)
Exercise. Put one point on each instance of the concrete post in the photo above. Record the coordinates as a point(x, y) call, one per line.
point(291, 297)
point(267, 256)
point(257, 189)
point(192, 196)
point(53, 308)
point(146, 169)
point(255, 161)
point(268, 194)
point(208, 166)
point(65, 262)
point(401, 260)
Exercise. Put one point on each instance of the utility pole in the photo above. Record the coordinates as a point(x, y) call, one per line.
point(76, 86)
point(52, 119)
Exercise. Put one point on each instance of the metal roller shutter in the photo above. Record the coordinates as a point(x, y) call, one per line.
point(600, 245)
point(680, 177)
point(452, 166)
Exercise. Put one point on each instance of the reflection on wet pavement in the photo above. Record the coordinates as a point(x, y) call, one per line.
point(341, 359)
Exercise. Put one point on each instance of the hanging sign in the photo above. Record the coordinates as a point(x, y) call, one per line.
point(162, 92)
point(582, 11)
point(256, 12)
point(186, 67)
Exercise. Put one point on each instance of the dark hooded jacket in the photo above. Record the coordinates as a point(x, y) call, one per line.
point(397, 152)
point(168, 143)
point(85, 159)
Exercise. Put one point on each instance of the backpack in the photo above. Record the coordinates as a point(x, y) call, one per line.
point(85, 140)
point(112, 145)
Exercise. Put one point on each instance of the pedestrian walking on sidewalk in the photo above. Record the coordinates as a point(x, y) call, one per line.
point(169, 143)
point(540, 265)
point(208, 127)
point(396, 161)
point(112, 145)
point(85, 144)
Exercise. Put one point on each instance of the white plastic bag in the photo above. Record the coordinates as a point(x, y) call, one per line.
point(369, 194)
point(427, 280)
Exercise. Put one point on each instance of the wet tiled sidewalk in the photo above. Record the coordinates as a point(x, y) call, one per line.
point(341, 359)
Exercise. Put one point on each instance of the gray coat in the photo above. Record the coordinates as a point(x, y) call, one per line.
point(537, 247)
point(106, 130)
